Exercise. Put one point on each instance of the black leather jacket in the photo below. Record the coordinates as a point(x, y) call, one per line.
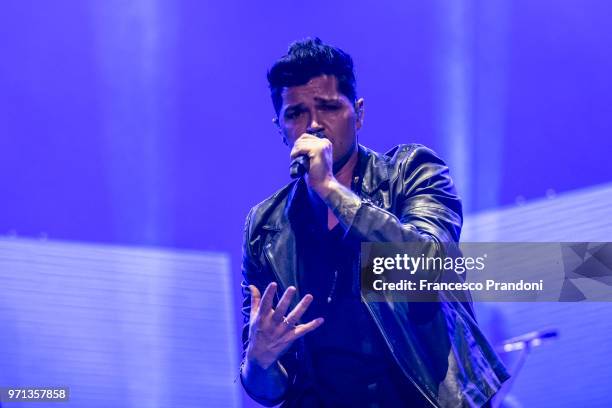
point(406, 195)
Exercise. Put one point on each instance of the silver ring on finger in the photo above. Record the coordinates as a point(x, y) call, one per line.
point(288, 323)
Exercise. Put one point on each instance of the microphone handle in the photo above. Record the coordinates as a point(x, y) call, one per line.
point(299, 166)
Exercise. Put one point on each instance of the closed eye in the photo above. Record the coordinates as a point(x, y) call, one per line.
point(294, 113)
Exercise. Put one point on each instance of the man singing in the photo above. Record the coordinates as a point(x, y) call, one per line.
point(309, 340)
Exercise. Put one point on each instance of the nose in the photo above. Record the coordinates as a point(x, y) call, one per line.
point(314, 125)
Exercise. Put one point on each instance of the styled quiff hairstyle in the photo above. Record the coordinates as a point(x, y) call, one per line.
point(308, 59)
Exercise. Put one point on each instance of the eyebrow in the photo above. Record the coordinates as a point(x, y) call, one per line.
point(326, 100)
point(318, 99)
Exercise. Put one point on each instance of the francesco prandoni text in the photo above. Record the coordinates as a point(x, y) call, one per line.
point(460, 265)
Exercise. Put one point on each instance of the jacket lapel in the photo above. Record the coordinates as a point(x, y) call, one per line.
point(280, 254)
point(280, 247)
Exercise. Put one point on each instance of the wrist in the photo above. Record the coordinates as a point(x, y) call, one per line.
point(251, 363)
point(326, 187)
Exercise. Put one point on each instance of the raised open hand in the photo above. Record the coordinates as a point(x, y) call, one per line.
point(272, 331)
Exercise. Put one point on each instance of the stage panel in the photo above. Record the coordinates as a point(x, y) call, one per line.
point(121, 326)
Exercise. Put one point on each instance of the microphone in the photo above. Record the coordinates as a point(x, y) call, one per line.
point(301, 164)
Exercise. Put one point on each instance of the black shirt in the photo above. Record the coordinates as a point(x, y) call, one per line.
point(351, 365)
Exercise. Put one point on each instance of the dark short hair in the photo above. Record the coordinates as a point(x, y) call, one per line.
point(307, 59)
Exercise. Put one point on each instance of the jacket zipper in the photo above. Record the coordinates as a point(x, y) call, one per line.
point(380, 329)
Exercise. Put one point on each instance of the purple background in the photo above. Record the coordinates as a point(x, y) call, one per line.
point(149, 122)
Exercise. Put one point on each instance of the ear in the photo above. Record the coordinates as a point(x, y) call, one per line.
point(359, 112)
